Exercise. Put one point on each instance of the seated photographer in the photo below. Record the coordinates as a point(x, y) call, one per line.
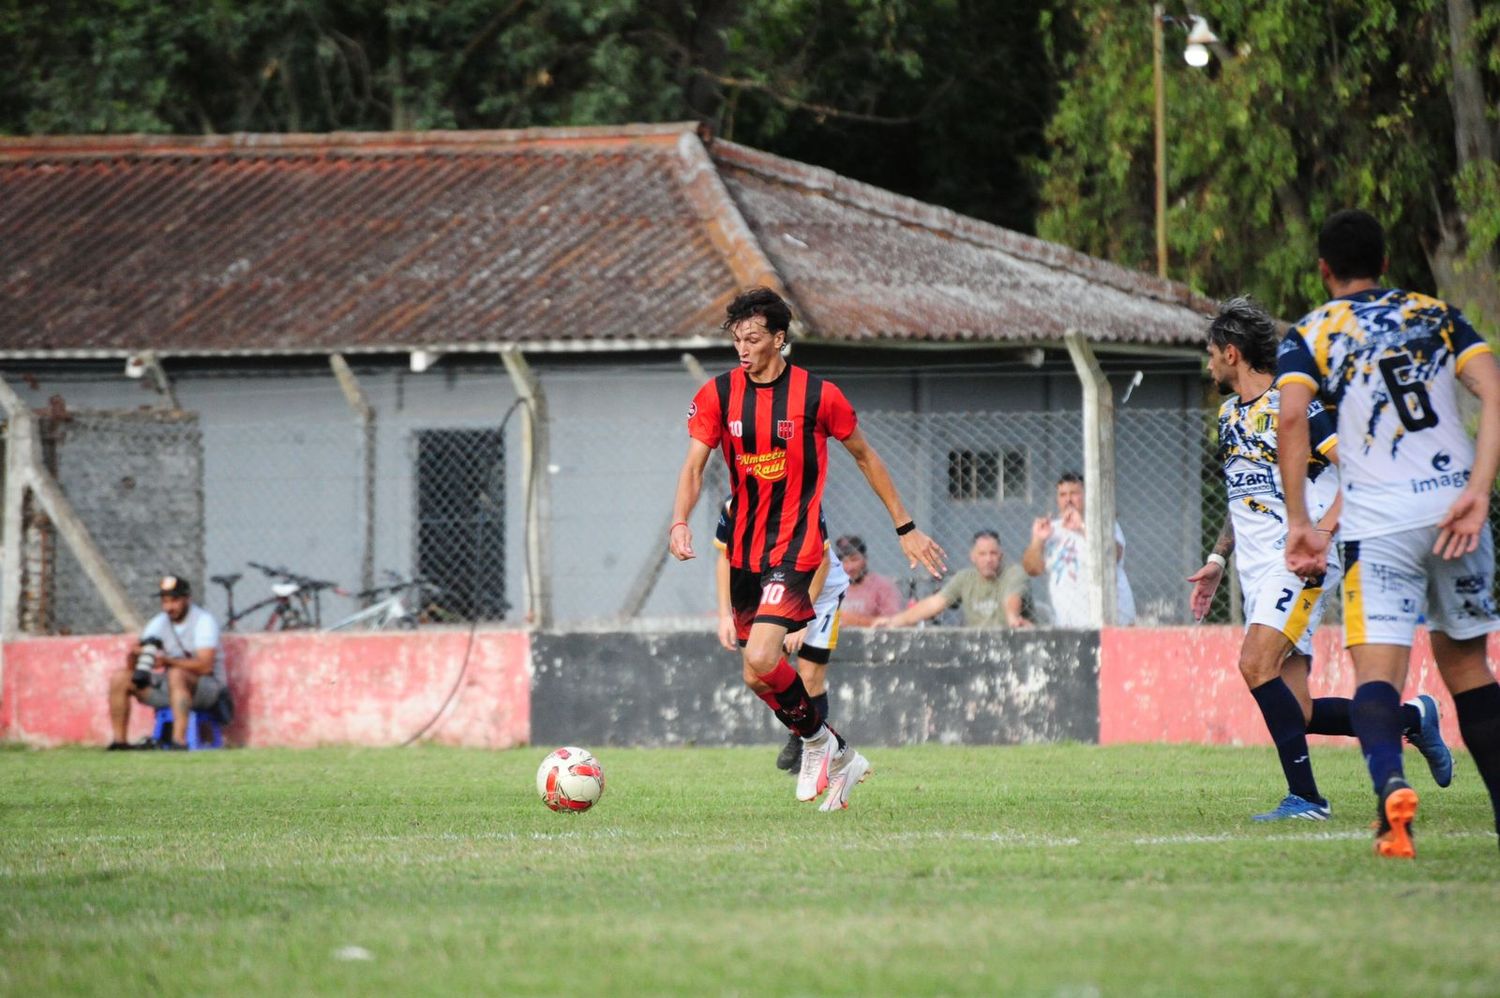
point(177, 663)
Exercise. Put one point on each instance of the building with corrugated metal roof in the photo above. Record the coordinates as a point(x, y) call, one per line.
point(445, 274)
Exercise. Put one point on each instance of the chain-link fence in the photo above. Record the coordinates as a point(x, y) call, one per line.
point(363, 505)
point(963, 472)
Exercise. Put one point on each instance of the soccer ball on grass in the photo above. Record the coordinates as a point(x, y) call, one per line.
point(570, 779)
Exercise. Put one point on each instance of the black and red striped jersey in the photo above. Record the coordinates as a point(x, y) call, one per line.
point(775, 441)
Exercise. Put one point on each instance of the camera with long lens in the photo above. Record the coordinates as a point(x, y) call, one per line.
point(145, 662)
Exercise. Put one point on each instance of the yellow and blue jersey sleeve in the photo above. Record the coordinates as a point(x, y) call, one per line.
point(1322, 427)
point(1467, 344)
point(1295, 363)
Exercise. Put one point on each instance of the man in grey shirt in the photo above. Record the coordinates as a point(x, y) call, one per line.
point(189, 665)
point(989, 595)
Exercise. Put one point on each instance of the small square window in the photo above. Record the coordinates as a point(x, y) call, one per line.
point(987, 474)
point(973, 474)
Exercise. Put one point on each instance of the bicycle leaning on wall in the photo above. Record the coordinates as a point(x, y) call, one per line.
point(401, 604)
point(295, 602)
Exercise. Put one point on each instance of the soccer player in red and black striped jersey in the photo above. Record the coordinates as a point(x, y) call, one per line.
point(772, 421)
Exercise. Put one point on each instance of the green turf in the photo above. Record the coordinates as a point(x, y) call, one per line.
point(1053, 870)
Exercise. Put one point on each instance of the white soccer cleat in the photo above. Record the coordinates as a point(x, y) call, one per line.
point(845, 772)
point(812, 778)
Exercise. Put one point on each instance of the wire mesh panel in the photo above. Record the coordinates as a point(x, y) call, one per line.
point(135, 480)
point(963, 472)
point(460, 512)
point(959, 473)
point(609, 493)
point(287, 495)
point(333, 499)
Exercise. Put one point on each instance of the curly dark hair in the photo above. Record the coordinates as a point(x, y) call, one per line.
point(763, 302)
point(1242, 323)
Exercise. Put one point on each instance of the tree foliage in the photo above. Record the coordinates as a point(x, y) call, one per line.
point(1307, 108)
point(944, 100)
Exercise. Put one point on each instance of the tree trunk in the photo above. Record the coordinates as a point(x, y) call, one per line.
point(1471, 284)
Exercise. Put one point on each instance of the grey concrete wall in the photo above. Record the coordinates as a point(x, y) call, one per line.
point(950, 686)
point(135, 479)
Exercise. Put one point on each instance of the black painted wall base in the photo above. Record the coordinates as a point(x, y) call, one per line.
point(904, 687)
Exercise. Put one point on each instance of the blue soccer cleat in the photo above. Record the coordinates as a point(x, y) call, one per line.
point(1292, 806)
point(1428, 740)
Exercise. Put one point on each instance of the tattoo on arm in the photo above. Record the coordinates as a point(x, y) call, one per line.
point(1224, 546)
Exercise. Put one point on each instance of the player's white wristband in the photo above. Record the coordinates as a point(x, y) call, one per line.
point(1217, 559)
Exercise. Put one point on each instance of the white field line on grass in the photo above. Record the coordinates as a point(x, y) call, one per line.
point(997, 837)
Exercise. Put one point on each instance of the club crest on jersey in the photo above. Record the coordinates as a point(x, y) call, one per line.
point(785, 428)
point(692, 409)
point(1265, 422)
point(768, 467)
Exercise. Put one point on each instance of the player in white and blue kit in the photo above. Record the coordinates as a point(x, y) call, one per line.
point(812, 646)
point(1416, 491)
point(1281, 610)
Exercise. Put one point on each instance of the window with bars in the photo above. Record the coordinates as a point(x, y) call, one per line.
point(987, 474)
point(461, 520)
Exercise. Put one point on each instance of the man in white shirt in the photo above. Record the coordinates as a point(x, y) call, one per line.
point(187, 673)
point(1057, 548)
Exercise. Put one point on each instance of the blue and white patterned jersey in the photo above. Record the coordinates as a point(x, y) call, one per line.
point(1387, 361)
point(1257, 501)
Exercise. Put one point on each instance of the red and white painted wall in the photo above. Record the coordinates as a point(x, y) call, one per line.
point(294, 689)
point(485, 690)
point(1180, 684)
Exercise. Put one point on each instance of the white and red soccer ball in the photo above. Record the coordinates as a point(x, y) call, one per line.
point(570, 779)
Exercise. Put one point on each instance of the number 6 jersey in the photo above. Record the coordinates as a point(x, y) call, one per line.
point(1387, 362)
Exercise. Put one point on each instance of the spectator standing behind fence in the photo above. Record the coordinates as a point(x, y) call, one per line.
point(870, 594)
point(1057, 548)
point(185, 670)
point(989, 594)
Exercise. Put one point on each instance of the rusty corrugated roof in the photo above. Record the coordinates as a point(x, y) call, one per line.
point(548, 238)
point(865, 264)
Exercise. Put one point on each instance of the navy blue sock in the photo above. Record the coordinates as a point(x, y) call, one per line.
point(1330, 716)
point(1411, 719)
point(1376, 715)
point(820, 702)
point(1283, 714)
point(1479, 723)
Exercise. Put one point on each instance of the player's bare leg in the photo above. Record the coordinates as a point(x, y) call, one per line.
point(1380, 673)
point(1277, 678)
point(779, 685)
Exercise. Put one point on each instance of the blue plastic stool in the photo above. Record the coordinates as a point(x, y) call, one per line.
point(194, 740)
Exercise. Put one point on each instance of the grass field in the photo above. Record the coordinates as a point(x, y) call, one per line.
point(1053, 870)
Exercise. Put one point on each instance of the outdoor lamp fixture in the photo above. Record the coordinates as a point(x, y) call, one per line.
point(1197, 54)
point(1200, 37)
point(135, 366)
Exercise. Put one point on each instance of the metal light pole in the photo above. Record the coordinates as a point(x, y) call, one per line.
point(1157, 44)
point(1200, 37)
